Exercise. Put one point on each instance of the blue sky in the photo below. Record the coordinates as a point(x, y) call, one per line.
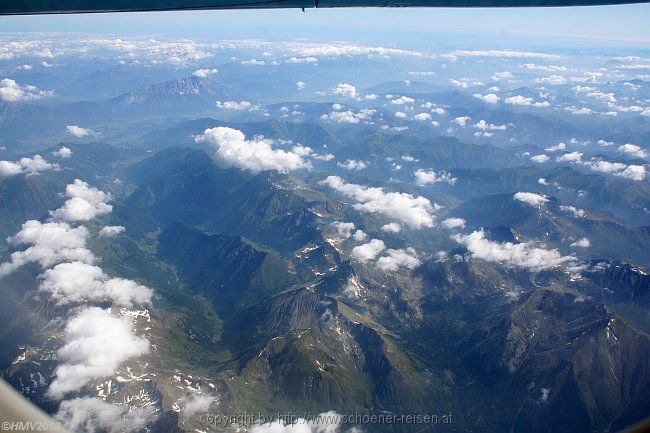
point(625, 24)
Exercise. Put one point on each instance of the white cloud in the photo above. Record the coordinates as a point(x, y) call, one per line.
point(92, 414)
point(521, 100)
point(416, 212)
point(77, 281)
point(352, 164)
point(63, 152)
point(359, 236)
point(552, 80)
point(398, 258)
point(203, 73)
point(301, 60)
point(326, 157)
point(530, 198)
point(391, 228)
point(32, 165)
point(238, 106)
point(484, 126)
point(540, 159)
point(490, 98)
point(577, 213)
point(254, 155)
point(343, 229)
point(581, 243)
point(542, 181)
point(523, 255)
point(78, 131)
point(301, 85)
point(453, 223)
point(549, 68)
point(422, 116)
point(111, 231)
point(506, 54)
point(11, 91)
point(196, 404)
point(84, 203)
point(462, 120)
point(402, 100)
point(465, 83)
point(49, 243)
point(349, 116)
point(369, 251)
point(345, 90)
point(559, 146)
point(633, 150)
point(423, 177)
point(634, 172)
point(400, 115)
point(570, 157)
point(502, 76)
point(96, 343)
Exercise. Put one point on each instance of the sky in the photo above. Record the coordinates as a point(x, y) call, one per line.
point(607, 25)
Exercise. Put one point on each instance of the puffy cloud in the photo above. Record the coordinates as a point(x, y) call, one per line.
point(345, 90)
point(570, 157)
point(352, 164)
point(326, 157)
point(11, 91)
point(549, 68)
point(490, 98)
point(422, 116)
point(465, 83)
point(63, 152)
point(234, 105)
point(349, 116)
point(78, 131)
point(301, 60)
point(633, 150)
point(540, 159)
point(462, 120)
point(484, 126)
point(254, 155)
point(111, 231)
point(581, 243)
point(502, 75)
point(49, 243)
point(530, 198)
point(552, 80)
point(91, 414)
point(453, 223)
point(521, 100)
point(76, 281)
point(416, 212)
point(580, 111)
point(577, 213)
point(402, 100)
point(522, 255)
point(391, 228)
point(634, 172)
point(84, 203)
point(196, 404)
point(203, 73)
point(301, 85)
point(32, 165)
point(400, 115)
point(398, 258)
point(559, 146)
point(96, 343)
point(542, 181)
point(359, 236)
point(343, 229)
point(506, 54)
point(423, 177)
point(369, 251)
